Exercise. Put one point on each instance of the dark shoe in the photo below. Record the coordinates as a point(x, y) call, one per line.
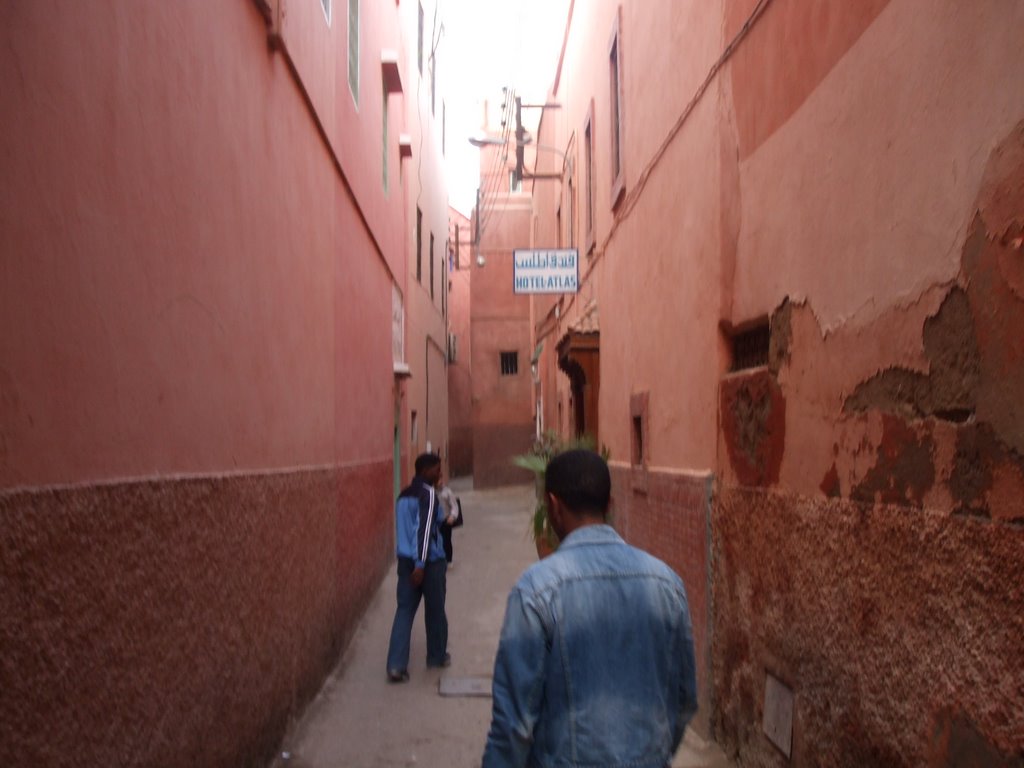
point(397, 676)
point(445, 662)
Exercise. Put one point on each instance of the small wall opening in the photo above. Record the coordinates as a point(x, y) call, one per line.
point(750, 347)
point(509, 363)
point(638, 440)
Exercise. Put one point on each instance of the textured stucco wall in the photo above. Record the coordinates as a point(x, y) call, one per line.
point(898, 629)
point(666, 513)
point(179, 622)
point(852, 174)
point(876, 571)
point(195, 381)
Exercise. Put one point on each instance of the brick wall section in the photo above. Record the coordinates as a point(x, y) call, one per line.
point(180, 622)
point(666, 514)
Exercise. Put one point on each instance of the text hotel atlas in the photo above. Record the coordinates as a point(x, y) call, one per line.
point(546, 271)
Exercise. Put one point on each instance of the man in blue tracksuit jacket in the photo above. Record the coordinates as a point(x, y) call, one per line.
point(421, 570)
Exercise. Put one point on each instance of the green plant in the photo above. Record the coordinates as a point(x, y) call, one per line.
point(536, 461)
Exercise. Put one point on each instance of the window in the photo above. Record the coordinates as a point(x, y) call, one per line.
point(509, 363)
point(326, 5)
point(419, 244)
point(615, 99)
point(431, 265)
point(419, 59)
point(588, 162)
point(750, 348)
point(570, 214)
point(384, 154)
point(638, 440)
point(353, 49)
point(414, 429)
point(638, 416)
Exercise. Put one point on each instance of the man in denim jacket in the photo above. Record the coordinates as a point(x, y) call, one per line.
point(595, 666)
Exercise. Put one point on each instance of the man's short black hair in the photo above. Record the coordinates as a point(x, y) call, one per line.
point(425, 461)
point(581, 480)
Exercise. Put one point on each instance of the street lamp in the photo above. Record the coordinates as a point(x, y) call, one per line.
point(522, 139)
point(486, 141)
point(491, 141)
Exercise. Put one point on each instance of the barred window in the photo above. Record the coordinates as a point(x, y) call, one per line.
point(509, 363)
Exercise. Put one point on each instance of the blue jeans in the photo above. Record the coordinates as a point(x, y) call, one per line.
point(433, 593)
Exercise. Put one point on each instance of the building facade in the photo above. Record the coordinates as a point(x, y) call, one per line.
point(798, 332)
point(205, 333)
point(502, 412)
point(460, 347)
point(424, 406)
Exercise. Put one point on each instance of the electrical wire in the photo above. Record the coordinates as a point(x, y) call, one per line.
point(495, 178)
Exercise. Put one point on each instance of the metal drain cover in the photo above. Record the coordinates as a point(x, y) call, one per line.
point(465, 686)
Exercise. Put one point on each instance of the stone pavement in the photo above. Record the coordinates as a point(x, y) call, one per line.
point(359, 720)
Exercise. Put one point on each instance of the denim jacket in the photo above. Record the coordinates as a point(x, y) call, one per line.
point(595, 666)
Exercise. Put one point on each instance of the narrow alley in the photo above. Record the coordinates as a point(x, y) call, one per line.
point(440, 717)
point(263, 261)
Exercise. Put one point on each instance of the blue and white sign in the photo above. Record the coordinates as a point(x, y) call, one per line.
point(546, 270)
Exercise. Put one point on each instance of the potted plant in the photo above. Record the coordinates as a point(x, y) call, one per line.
point(536, 461)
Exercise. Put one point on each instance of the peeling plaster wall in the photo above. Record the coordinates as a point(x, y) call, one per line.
point(851, 174)
point(868, 538)
point(876, 173)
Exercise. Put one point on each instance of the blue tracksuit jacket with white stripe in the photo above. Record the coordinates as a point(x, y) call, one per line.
point(418, 518)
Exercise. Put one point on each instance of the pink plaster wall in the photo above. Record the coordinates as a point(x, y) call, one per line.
point(868, 229)
point(425, 186)
point(500, 321)
point(195, 373)
point(852, 174)
point(158, 296)
point(460, 372)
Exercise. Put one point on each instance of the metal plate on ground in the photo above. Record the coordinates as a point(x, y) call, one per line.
point(465, 686)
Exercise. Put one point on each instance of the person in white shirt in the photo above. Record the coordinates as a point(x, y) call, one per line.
point(450, 504)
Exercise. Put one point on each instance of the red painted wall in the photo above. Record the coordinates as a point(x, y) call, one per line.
point(460, 372)
point(195, 374)
point(849, 174)
point(500, 322)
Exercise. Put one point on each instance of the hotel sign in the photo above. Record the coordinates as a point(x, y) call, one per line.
point(545, 270)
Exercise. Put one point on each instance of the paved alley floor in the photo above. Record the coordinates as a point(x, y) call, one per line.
point(359, 720)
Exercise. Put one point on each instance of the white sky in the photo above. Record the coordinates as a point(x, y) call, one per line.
point(489, 44)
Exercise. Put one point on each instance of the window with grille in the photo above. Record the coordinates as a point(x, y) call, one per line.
point(750, 348)
point(509, 363)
